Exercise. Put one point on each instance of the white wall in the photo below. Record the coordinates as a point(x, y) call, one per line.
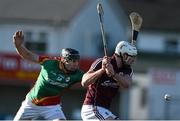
point(155, 41)
point(55, 43)
point(164, 81)
point(151, 42)
point(137, 111)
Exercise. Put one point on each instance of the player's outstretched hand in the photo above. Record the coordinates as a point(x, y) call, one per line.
point(18, 38)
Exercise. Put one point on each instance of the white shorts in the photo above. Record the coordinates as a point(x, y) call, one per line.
point(30, 111)
point(90, 112)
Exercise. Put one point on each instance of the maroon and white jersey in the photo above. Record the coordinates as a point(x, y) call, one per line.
point(101, 92)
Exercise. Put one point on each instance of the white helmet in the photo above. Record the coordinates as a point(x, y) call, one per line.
point(125, 47)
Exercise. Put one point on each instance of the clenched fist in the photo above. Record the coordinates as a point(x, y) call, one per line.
point(18, 38)
point(107, 66)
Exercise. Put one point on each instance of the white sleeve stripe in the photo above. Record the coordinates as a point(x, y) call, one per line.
point(96, 63)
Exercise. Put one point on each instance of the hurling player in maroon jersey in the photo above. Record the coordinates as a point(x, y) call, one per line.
point(103, 80)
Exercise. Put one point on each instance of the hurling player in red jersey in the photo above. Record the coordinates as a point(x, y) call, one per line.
point(103, 80)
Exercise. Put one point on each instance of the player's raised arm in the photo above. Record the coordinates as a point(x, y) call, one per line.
point(90, 77)
point(94, 73)
point(18, 39)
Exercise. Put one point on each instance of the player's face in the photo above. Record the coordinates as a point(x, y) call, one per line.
point(128, 59)
point(72, 65)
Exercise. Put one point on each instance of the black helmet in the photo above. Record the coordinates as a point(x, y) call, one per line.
point(70, 54)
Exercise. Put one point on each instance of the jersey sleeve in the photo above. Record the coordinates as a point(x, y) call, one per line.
point(43, 58)
point(129, 71)
point(80, 75)
point(97, 64)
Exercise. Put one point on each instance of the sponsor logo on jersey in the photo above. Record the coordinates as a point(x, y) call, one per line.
point(108, 83)
point(59, 80)
point(67, 79)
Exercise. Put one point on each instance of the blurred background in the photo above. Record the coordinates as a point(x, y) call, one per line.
point(50, 25)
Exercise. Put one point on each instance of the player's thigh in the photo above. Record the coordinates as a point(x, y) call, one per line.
point(52, 112)
point(105, 113)
point(96, 113)
point(88, 112)
point(26, 112)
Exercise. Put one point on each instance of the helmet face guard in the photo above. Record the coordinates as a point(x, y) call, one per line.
point(70, 54)
point(124, 47)
point(72, 57)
